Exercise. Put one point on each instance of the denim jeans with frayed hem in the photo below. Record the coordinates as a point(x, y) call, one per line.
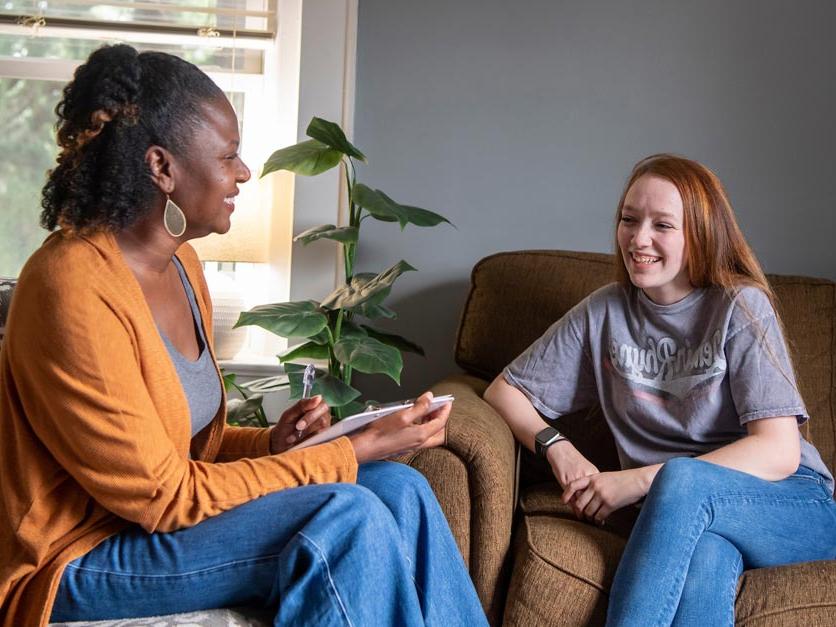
point(376, 553)
point(701, 526)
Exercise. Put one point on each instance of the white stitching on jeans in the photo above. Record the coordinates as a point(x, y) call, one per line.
point(188, 573)
point(330, 579)
point(736, 568)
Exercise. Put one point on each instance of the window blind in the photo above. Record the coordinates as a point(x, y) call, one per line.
point(243, 18)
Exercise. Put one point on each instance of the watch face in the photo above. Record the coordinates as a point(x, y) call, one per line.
point(544, 439)
point(547, 434)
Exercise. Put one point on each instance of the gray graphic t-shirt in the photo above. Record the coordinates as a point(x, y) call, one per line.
point(673, 380)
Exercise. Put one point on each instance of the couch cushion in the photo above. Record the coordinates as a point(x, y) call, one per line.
point(800, 594)
point(562, 571)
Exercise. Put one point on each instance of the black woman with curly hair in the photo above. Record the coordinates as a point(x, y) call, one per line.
point(131, 496)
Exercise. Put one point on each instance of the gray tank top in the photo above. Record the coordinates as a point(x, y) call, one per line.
point(199, 378)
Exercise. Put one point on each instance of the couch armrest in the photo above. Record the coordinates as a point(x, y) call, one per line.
point(485, 454)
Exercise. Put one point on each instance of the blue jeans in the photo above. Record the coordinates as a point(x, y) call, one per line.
point(701, 526)
point(376, 553)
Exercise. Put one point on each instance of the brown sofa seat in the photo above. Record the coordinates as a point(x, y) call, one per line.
point(558, 570)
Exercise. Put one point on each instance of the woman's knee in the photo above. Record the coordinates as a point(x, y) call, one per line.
point(681, 476)
point(322, 508)
point(354, 497)
point(408, 477)
point(397, 485)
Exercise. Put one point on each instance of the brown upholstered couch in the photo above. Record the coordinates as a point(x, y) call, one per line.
point(538, 565)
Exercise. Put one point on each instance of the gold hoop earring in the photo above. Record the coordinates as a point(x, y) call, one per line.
point(174, 220)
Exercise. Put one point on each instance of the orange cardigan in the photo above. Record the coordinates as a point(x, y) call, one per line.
point(95, 429)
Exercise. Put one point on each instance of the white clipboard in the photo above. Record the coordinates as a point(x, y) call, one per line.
point(358, 421)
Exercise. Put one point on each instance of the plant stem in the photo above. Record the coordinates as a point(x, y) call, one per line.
point(343, 372)
point(333, 364)
point(338, 325)
point(348, 249)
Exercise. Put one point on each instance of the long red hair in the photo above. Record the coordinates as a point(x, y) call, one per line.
point(716, 252)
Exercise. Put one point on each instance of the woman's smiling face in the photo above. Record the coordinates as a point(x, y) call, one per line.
point(208, 180)
point(651, 238)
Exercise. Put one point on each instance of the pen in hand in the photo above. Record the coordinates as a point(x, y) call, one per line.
point(308, 377)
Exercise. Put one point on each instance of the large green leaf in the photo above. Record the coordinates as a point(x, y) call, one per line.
point(363, 278)
point(373, 307)
point(333, 390)
point(424, 217)
point(354, 407)
point(395, 341)
point(361, 289)
point(332, 135)
point(229, 381)
point(374, 312)
point(378, 204)
point(369, 355)
point(298, 319)
point(349, 329)
point(323, 337)
point(308, 158)
point(382, 207)
point(344, 234)
point(308, 350)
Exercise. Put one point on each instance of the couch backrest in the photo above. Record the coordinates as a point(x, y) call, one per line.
point(515, 296)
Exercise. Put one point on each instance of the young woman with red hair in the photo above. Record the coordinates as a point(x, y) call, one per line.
point(686, 356)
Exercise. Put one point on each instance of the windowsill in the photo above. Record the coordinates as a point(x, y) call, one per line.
point(251, 365)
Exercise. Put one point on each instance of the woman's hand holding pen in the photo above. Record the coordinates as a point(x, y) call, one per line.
point(305, 418)
point(404, 431)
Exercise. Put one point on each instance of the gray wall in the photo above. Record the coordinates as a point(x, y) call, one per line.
point(520, 121)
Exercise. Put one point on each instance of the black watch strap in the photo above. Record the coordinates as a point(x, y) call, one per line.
point(545, 438)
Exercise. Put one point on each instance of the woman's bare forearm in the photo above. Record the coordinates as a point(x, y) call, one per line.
point(770, 451)
point(516, 410)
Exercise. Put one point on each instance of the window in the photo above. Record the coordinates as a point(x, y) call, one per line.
point(37, 60)
point(255, 58)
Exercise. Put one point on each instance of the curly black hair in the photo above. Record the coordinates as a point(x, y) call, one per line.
point(119, 103)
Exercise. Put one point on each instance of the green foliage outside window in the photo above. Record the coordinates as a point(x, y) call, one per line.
point(27, 144)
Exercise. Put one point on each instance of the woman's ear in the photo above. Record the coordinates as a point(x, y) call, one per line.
point(159, 161)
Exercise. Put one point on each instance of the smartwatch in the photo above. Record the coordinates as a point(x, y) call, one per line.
point(545, 438)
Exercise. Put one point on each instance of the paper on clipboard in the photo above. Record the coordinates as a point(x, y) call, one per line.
point(358, 421)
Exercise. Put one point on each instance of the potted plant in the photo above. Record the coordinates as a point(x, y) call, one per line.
point(339, 330)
